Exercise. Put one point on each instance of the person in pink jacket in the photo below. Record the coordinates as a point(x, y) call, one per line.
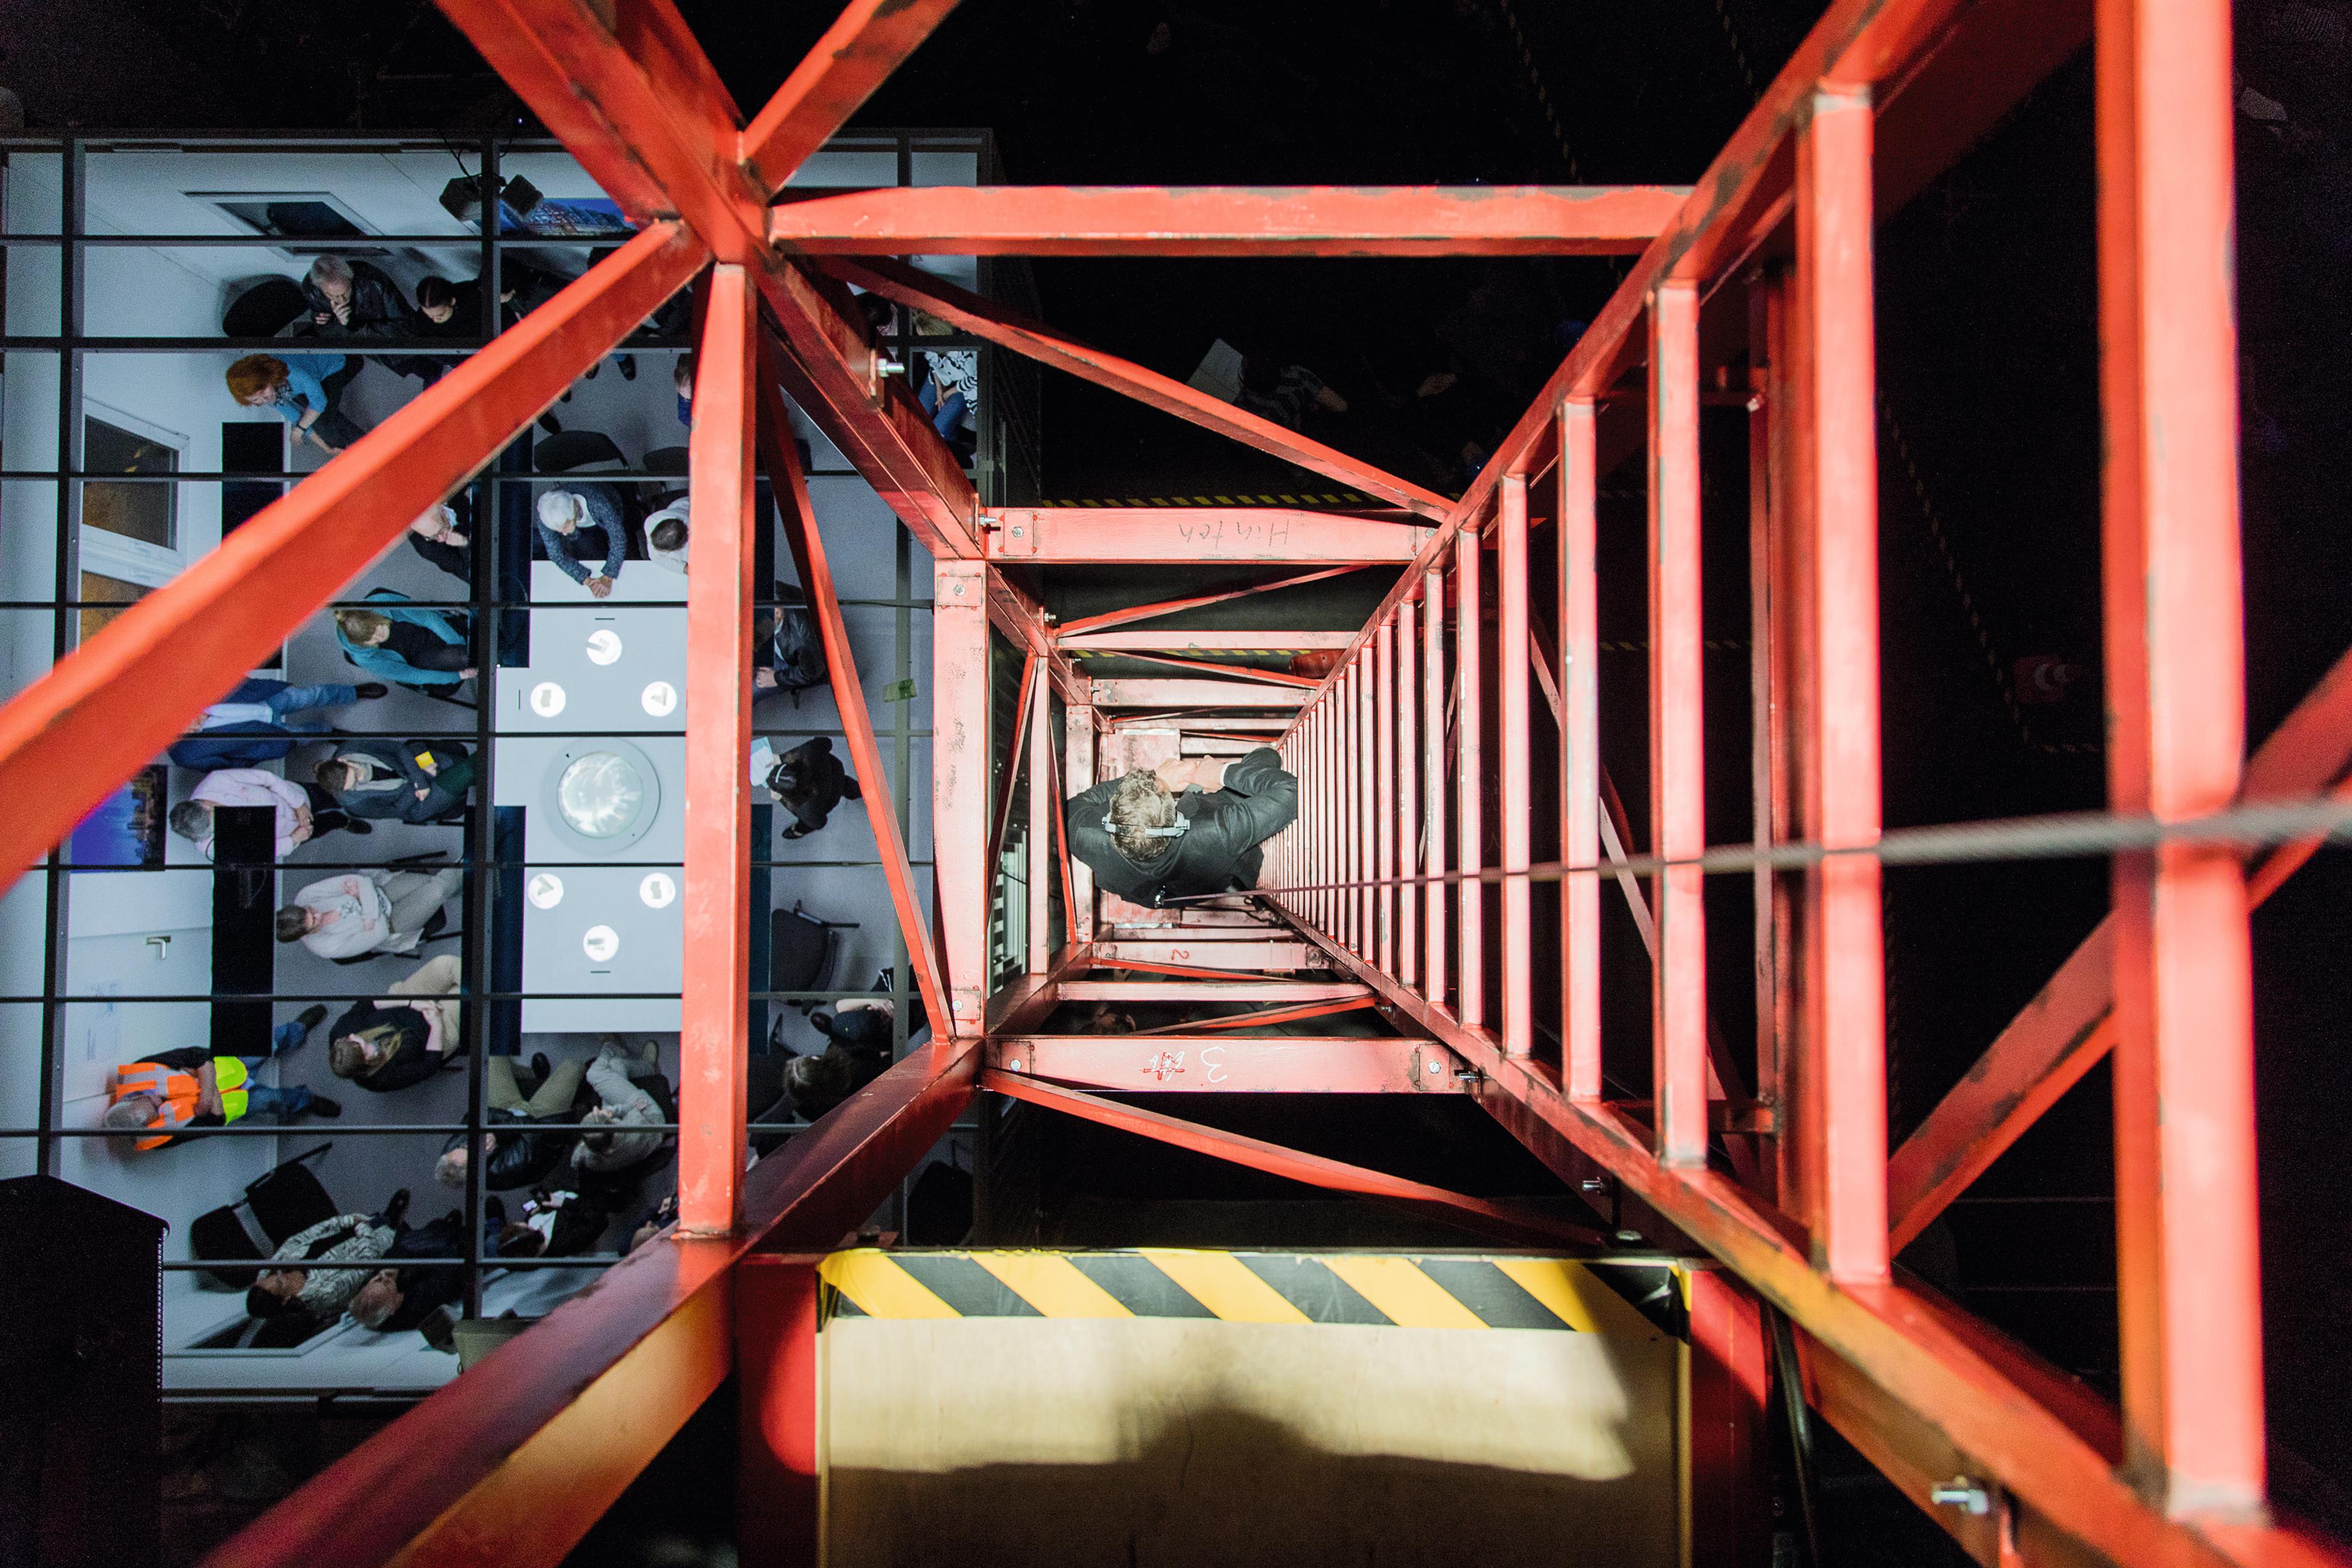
point(300, 817)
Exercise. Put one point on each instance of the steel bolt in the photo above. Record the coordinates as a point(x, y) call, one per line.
point(1592, 1184)
point(1433, 1068)
point(1963, 1494)
point(1014, 1065)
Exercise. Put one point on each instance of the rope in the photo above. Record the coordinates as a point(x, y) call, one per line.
point(2061, 837)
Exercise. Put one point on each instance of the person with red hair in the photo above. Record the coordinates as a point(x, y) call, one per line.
point(291, 389)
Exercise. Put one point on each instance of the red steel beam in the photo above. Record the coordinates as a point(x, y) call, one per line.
point(1265, 1015)
point(576, 1406)
point(1202, 641)
point(1432, 782)
point(111, 706)
point(1255, 957)
point(1193, 694)
point(714, 1027)
point(1524, 1225)
point(1230, 220)
point(963, 772)
point(779, 1470)
point(1362, 781)
point(1469, 787)
point(1835, 431)
point(1232, 1063)
point(1408, 792)
point(1045, 801)
point(2188, 1258)
point(987, 319)
point(1209, 992)
point(1238, 671)
point(630, 94)
point(1579, 753)
point(870, 39)
point(1090, 624)
point(1516, 797)
point(1677, 727)
point(806, 541)
point(1936, 1367)
point(1212, 536)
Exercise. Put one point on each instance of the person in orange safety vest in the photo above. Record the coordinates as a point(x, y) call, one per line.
point(175, 1093)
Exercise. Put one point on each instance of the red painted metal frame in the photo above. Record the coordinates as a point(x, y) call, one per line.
point(2069, 1027)
point(574, 1408)
point(1725, 1443)
point(1230, 220)
point(2187, 1228)
point(1677, 727)
point(1232, 1063)
point(1843, 1035)
point(1579, 753)
point(69, 739)
point(714, 1023)
point(1524, 1227)
point(962, 779)
point(1202, 641)
point(987, 319)
point(581, 1400)
point(1187, 535)
point(1267, 1015)
point(1149, 693)
point(779, 1488)
point(1515, 806)
point(805, 539)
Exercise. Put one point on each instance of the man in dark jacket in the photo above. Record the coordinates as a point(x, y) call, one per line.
point(518, 1152)
point(376, 776)
point(1193, 825)
point(807, 781)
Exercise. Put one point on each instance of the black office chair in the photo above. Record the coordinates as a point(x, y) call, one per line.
point(263, 307)
point(284, 1202)
point(803, 952)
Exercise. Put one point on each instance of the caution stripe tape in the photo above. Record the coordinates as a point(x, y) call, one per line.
point(1413, 1291)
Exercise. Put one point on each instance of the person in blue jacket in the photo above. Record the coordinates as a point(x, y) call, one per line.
point(406, 643)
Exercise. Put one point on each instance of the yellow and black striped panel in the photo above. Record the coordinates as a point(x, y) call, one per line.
point(1421, 1290)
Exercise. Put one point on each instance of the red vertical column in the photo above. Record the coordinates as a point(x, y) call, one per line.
point(1846, 1018)
point(1677, 727)
point(1367, 808)
point(2188, 1260)
point(1772, 627)
point(1350, 744)
point(1724, 1386)
point(1579, 753)
point(1408, 812)
point(778, 1498)
point(1516, 798)
point(714, 1019)
point(1433, 793)
point(1384, 791)
point(961, 777)
point(1470, 802)
point(1043, 870)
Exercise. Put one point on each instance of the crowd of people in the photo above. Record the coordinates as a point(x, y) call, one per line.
point(576, 1156)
